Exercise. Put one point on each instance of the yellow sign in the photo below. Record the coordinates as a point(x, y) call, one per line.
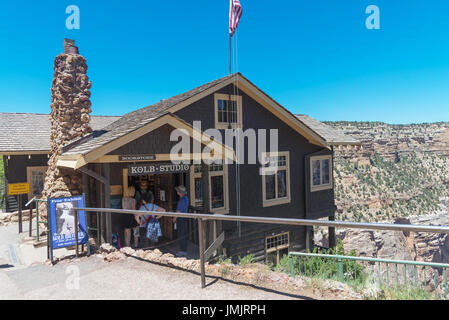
point(18, 188)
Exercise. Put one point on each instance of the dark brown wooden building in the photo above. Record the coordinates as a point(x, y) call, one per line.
point(121, 152)
point(24, 150)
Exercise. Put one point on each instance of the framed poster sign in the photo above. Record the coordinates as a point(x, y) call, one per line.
point(62, 221)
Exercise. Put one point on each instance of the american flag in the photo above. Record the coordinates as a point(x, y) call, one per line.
point(235, 12)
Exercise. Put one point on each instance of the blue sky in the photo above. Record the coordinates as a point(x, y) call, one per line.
point(314, 57)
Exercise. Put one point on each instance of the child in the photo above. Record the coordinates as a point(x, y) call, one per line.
point(149, 221)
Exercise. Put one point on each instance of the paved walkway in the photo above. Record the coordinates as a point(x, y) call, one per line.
point(126, 279)
point(92, 278)
point(17, 250)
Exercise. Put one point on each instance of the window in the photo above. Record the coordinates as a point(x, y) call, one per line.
point(218, 187)
point(197, 186)
point(321, 172)
point(276, 179)
point(36, 177)
point(276, 246)
point(228, 111)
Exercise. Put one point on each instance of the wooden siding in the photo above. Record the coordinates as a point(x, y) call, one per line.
point(16, 172)
point(256, 116)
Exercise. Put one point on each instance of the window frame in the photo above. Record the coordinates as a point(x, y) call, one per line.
point(195, 175)
point(225, 125)
point(321, 186)
point(277, 201)
point(277, 248)
point(30, 177)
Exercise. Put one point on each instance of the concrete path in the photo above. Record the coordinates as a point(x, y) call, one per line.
point(17, 250)
point(92, 278)
point(22, 277)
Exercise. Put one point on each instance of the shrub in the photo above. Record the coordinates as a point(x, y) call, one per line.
point(224, 260)
point(246, 259)
point(318, 267)
point(405, 293)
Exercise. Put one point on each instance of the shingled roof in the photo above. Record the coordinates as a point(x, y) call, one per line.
point(136, 119)
point(141, 117)
point(22, 132)
point(330, 135)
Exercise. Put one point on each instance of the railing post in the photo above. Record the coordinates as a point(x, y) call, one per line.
point(201, 247)
point(379, 274)
point(20, 213)
point(416, 282)
point(292, 269)
point(31, 218)
point(340, 267)
point(388, 277)
point(76, 233)
point(98, 231)
point(445, 282)
point(435, 279)
point(37, 221)
point(405, 275)
point(397, 276)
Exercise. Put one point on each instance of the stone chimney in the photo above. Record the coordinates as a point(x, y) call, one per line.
point(69, 118)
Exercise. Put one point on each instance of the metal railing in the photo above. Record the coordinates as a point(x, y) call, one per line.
point(357, 269)
point(282, 221)
point(36, 205)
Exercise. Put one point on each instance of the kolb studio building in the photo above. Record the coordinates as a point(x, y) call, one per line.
point(135, 150)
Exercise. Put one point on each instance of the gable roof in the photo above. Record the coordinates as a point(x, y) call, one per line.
point(132, 121)
point(26, 133)
point(330, 135)
point(77, 160)
point(137, 119)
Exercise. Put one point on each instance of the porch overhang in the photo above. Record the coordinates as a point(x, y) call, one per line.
point(100, 155)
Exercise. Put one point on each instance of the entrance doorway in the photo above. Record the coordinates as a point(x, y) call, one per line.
point(162, 186)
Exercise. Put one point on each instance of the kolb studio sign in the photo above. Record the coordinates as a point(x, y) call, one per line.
point(62, 221)
point(142, 169)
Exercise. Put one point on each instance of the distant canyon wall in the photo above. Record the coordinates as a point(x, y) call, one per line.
point(391, 141)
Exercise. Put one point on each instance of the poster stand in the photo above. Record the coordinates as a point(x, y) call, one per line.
point(79, 223)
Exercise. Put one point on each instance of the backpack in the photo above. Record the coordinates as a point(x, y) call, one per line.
point(153, 227)
point(116, 241)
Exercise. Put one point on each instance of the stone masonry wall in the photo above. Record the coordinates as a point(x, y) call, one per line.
point(70, 119)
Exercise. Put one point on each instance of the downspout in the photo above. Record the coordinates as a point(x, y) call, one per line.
point(331, 230)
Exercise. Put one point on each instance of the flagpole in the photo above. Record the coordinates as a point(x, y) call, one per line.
point(230, 53)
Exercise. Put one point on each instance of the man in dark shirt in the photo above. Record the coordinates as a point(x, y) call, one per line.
point(181, 223)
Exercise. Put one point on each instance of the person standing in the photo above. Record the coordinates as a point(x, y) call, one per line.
point(181, 223)
point(130, 222)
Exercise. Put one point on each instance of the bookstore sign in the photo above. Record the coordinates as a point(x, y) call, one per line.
point(144, 169)
point(141, 157)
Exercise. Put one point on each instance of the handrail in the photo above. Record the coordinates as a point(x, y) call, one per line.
point(336, 256)
point(271, 220)
point(405, 263)
point(287, 221)
point(36, 200)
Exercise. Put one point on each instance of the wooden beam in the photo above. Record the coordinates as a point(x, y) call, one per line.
point(93, 174)
point(107, 202)
point(214, 246)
